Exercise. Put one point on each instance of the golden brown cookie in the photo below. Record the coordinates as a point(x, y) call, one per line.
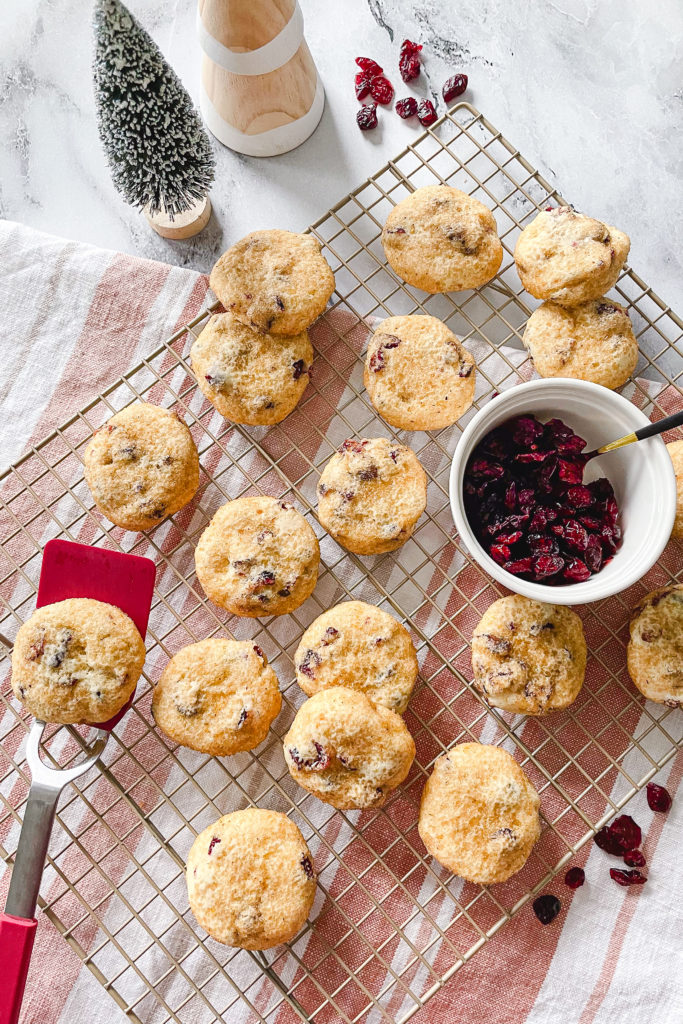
point(528, 657)
point(371, 494)
point(275, 282)
point(141, 466)
point(417, 373)
point(568, 257)
point(258, 556)
point(250, 378)
point(346, 750)
point(442, 240)
point(479, 813)
point(675, 450)
point(218, 696)
point(250, 879)
point(76, 661)
point(593, 341)
point(362, 647)
point(655, 650)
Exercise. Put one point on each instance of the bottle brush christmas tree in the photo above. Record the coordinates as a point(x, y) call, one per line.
point(159, 154)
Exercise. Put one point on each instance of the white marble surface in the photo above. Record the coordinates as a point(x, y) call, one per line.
point(591, 91)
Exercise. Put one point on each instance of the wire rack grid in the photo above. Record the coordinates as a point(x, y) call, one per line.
point(389, 926)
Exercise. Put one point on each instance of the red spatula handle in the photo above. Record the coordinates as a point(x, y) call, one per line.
point(16, 944)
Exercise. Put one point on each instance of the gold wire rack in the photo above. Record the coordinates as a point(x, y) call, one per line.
point(389, 926)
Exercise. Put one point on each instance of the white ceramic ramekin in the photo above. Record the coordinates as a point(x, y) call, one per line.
point(642, 476)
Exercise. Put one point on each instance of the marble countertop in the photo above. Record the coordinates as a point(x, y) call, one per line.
point(591, 91)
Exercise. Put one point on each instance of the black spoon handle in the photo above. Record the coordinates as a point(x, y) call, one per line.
point(651, 430)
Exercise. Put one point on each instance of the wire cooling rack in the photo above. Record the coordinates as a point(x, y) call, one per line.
point(389, 925)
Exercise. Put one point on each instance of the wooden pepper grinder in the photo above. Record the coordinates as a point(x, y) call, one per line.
point(260, 90)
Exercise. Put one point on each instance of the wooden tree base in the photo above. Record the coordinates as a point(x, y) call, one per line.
point(184, 225)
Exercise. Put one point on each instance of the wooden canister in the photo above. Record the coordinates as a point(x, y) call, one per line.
point(260, 90)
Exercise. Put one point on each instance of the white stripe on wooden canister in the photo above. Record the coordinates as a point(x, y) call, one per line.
point(260, 91)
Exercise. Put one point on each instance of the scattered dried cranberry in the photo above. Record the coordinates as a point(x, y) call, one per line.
point(619, 837)
point(381, 89)
point(308, 867)
point(627, 877)
point(309, 663)
point(366, 117)
point(546, 907)
point(363, 82)
point(454, 86)
point(214, 841)
point(658, 798)
point(524, 481)
point(407, 107)
point(575, 878)
point(409, 61)
point(426, 113)
point(634, 859)
point(370, 66)
point(608, 842)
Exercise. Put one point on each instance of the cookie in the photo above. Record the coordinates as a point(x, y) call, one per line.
point(275, 282)
point(370, 495)
point(76, 661)
point(258, 556)
point(141, 466)
point(675, 450)
point(593, 341)
point(362, 647)
point(528, 657)
point(250, 378)
point(440, 239)
point(346, 750)
point(217, 696)
point(655, 651)
point(418, 375)
point(250, 879)
point(479, 813)
point(568, 257)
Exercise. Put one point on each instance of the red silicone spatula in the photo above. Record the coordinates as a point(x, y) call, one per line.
point(68, 570)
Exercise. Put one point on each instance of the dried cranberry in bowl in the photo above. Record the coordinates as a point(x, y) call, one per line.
point(528, 507)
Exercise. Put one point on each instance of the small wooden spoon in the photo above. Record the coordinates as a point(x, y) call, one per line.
point(651, 430)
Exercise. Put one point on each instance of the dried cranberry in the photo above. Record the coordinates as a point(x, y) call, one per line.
point(407, 46)
point(593, 554)
point(351, 445)
point(213, 842)
point(634, 859)
point(571, 472)
point(426, 113)
point(309, 663)
point(627, 831)
point(454, 86)
point(579, 497)
point(541, 545)
point(264, 579)
point(406, 107)
point(409, 61)
point(608, 842)
point(547, 565)
point(362, 83)
point(627, 877)
point(298, 367)
point(500, 553)
point(575, 878)
point(370, 66)
point(329, 636)
point(308, 867)
point(519, 567)
point(259, 651)
point(546, 907)
point(381, 89)
point(526, 430)
point(576, 571)
point(658, 798)
point(509, 538)
point(366, 117)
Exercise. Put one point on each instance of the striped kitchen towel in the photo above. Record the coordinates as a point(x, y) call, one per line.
point(75, 318)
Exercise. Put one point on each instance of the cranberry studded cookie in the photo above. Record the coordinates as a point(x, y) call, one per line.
point(440, 239)
point(675, 450)
point(76, 661)
point(141, 466)
point(655, 650)
point(362, 647)
point(346, 750)
point(528, 657)
point(258, 556)
point(250, 879)
point(417, 373)
point(371, 494)
point(479, 813)
point(250, 378)
point(593, 341)
point(275, 282)
point(217, 696)
point(568, 257)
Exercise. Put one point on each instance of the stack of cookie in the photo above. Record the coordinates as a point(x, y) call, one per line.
point(253, 361)
point(570, 261)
